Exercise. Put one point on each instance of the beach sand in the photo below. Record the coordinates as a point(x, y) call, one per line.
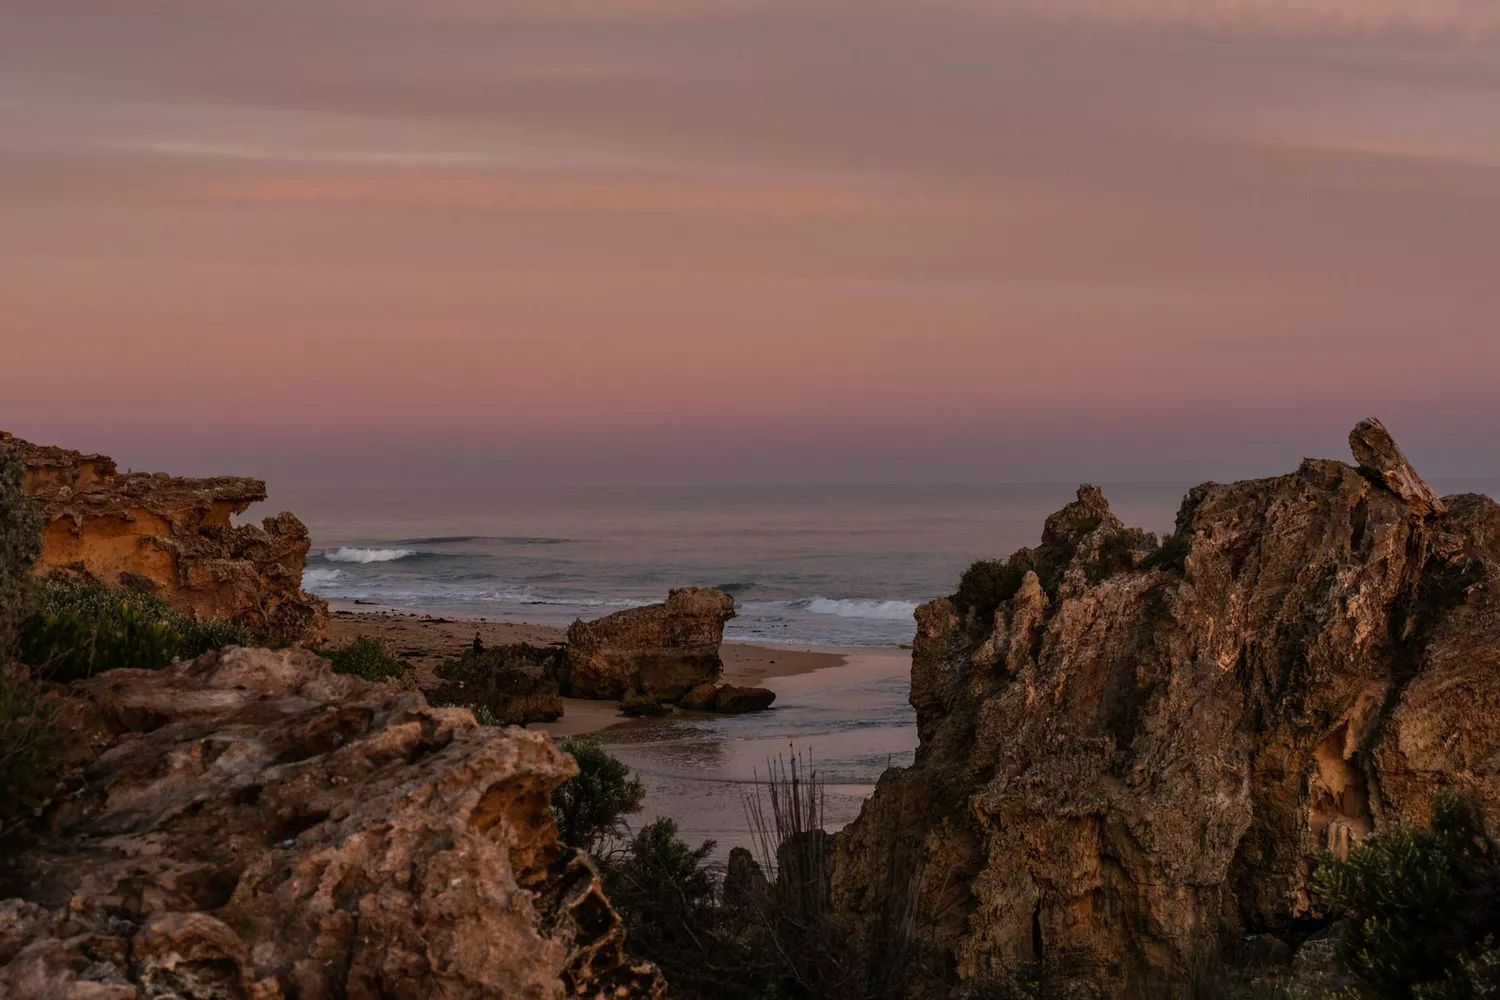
point(425, 641)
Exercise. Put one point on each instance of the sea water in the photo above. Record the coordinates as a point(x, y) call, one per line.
point(842, 566)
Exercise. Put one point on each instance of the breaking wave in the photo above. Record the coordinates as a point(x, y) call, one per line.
point(889, 611)
point(313, 578)
point(366, 555)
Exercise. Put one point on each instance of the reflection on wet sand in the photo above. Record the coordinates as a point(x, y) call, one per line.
point(853, 719)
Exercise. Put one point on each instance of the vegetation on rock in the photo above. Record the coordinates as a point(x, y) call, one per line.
point(27, 732)
point(80, 627)
point(989, 583)
point(364, 656)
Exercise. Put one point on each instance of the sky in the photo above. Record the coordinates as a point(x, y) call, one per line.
point(491, 242)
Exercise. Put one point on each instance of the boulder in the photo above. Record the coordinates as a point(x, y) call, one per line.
point(173, 537)
point(1139, 756)
point(515, 684)
point(640, 706)
point(731, 700)
point(727, 698)
point(251, 825)
point(663, 650)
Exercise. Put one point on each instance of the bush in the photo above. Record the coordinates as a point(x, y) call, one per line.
point(26, 728)
point(669, 899)
point(365, 657)
point(591, 808)
point(989, 583)
point(1423, 903)
point(1172, 555)
point(27, 737)
point(20, 544)
point(83, 627)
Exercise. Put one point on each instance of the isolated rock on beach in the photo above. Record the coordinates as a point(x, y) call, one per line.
point(516, 683)
point(728, 699)
point(173, 537)
point(662, 651)
point(255, 826)
point(1140, 754)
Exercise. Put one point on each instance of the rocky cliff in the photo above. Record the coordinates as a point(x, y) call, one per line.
point(174, 537)
point(662, 651)
point(1132, 755)
point(252, 826)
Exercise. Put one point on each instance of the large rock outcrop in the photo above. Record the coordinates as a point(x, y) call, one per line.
point(253, 827)
point(174, 537)
point(1132, 756)
point(662, 651)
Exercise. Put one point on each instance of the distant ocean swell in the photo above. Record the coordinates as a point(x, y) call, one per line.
point(461, 584)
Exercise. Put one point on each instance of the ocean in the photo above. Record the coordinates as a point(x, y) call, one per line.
point(830, 566)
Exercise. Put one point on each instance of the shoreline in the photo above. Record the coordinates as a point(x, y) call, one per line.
point(427, 640)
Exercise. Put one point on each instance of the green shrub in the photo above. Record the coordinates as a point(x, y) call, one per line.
point(83, 627)
point(20, 544)
point(1171, 555)
point(199, 635)
point(365, 657)
point(69, 646)
point(669, 900)
point(27, 730)
point(1476, 978)
point(989, 583)
point(27, 737)
point(591, 808)
point(1422, 901)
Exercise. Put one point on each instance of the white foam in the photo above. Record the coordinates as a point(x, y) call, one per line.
point(888, 611)
point(314, 578)
point(366, 555)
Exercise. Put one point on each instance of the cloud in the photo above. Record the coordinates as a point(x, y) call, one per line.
point(1469, 19)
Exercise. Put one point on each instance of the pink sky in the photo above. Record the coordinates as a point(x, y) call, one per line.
point(388, 241)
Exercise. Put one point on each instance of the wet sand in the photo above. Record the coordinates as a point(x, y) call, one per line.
point(425, 641)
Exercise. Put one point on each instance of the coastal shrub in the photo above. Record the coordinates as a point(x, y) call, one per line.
point(1423, 904)
point(80, 627)
point(1171, 555)
point(670, 899)
point(989, 583)
point(591, 808)
point(20, 544)
point(1116, 554)
point(27, 728)
point(366, 657)
point(28, 734)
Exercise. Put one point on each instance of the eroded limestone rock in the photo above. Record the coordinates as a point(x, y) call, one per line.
point(662, 651)
point(1139, 757)
point(174, 537)
point(254, 826)
point(516, 683)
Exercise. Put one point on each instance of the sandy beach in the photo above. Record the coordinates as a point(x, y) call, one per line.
point(426, 640)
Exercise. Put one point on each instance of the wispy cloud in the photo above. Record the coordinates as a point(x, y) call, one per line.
point(1473, 19)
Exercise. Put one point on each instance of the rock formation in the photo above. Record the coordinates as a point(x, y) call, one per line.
point(516, 684)
point(662, 651)
point(1131, 756)
point(173, 537)
point(253, 826)
point(727, 699)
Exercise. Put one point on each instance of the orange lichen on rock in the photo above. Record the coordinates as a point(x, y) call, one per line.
point(174, 537)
